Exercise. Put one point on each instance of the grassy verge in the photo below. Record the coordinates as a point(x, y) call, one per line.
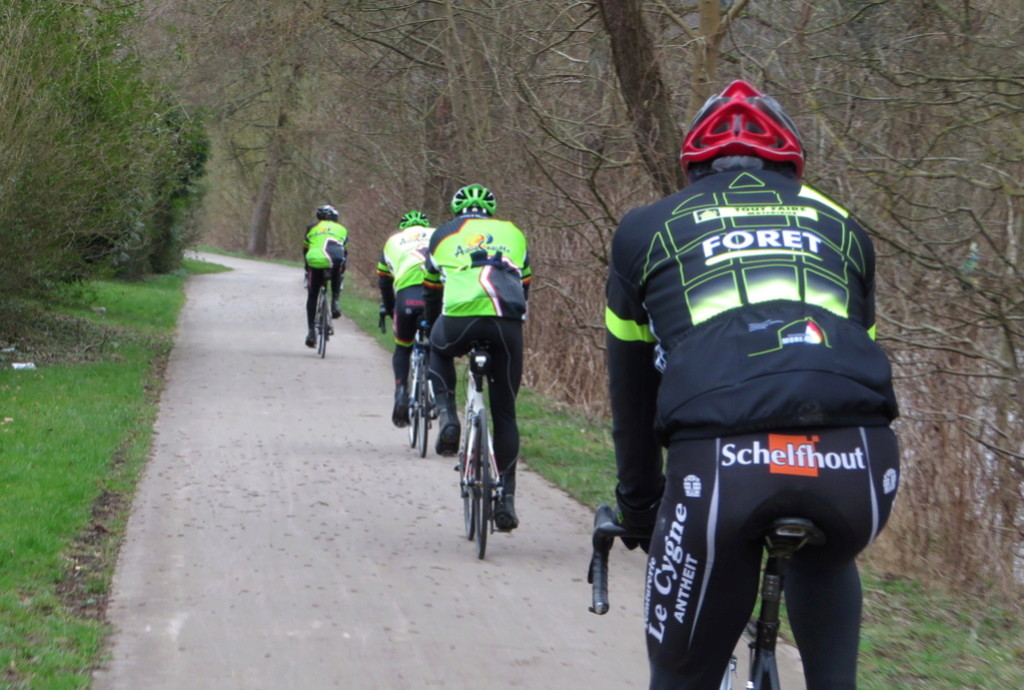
point(74, 434)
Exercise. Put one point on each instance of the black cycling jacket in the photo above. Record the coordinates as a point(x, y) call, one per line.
point(743, 302)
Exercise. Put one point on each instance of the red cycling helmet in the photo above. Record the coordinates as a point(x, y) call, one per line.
point(742, 121)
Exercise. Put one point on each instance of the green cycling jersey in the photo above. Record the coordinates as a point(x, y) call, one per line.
point(481, 267)
point(321, 239)
point(403, 256)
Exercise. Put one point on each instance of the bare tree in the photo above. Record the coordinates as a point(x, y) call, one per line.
point(648, 100)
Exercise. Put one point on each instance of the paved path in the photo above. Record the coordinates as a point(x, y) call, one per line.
point(284, 534)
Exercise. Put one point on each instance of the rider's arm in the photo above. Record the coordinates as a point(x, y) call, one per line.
point(386, 284)
point(527, 274)
point(433, 290)
point(633, 386)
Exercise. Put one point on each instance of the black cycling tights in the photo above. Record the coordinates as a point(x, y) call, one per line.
point(317, 277)
point(405, 319)
point(454, 336)
point(704, 564)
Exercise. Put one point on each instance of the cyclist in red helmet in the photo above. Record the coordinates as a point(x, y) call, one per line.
point(746, 385)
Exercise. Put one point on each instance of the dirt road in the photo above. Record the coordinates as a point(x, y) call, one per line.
point(285, 536)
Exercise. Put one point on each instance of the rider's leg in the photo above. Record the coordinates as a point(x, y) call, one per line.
point(316, 279)
point(822, 585)
point(406, 317)
point(443, 350)
point(506, 347)
point(400, 366)
point(336, 272)
point(405, 329)
point(703, 574)
point(824, 604)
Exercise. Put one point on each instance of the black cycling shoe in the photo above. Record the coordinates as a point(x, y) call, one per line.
point(335, 309)
point(505, 518)
point(400, 412)
point(311, 338)
point(448, 438)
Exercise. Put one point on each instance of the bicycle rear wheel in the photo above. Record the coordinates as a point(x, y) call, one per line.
point(414, 405)
point(484, 483)
point(468, 484)
point(323, 323)
point(423, 415)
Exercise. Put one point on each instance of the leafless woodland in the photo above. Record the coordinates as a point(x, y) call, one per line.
point(572, 112)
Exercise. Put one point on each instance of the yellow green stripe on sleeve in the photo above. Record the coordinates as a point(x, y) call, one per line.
point(624, 329)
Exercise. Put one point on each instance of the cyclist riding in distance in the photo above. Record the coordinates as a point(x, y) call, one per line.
point(400, 278)
point(740, 333)
point(476, 286)
point(324, 248)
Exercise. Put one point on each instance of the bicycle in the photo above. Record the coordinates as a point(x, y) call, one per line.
point(479, 482)
point(323, 320)
point(782, 539)
point(421, 393)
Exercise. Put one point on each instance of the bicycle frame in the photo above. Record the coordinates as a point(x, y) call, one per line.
point(477, 483)
point(322, 320)
point(475, 405)
point(421, 392)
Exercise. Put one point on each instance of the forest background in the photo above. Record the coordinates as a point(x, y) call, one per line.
point(130, 127)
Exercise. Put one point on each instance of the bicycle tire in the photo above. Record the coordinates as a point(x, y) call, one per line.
point(485, 486)
point(414, 396)
point(423, 410)
point(469, 491)
point(323, 323)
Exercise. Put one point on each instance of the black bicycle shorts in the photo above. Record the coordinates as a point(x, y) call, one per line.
point(720, 496)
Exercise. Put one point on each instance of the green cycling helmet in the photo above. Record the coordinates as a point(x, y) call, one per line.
point(413, 218)
point(473, 198)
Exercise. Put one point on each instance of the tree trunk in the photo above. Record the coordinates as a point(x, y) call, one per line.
point(648, 101)
point(259, 227)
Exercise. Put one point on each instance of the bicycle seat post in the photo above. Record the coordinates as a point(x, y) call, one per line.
point(479, 366)
point(785, 537)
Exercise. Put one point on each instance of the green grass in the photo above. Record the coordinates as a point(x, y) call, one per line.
point(916, 637)
point(74, 435)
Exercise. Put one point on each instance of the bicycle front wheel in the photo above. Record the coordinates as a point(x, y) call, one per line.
point(484, 482)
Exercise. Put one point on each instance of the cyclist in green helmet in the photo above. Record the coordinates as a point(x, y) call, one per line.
point(400, 279)
point(324, 248)
point(475, 290)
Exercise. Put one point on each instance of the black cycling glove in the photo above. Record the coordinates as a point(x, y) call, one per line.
point(638, 521)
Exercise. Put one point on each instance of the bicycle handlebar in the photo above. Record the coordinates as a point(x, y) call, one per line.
point(382, 315)
point(606, 529)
